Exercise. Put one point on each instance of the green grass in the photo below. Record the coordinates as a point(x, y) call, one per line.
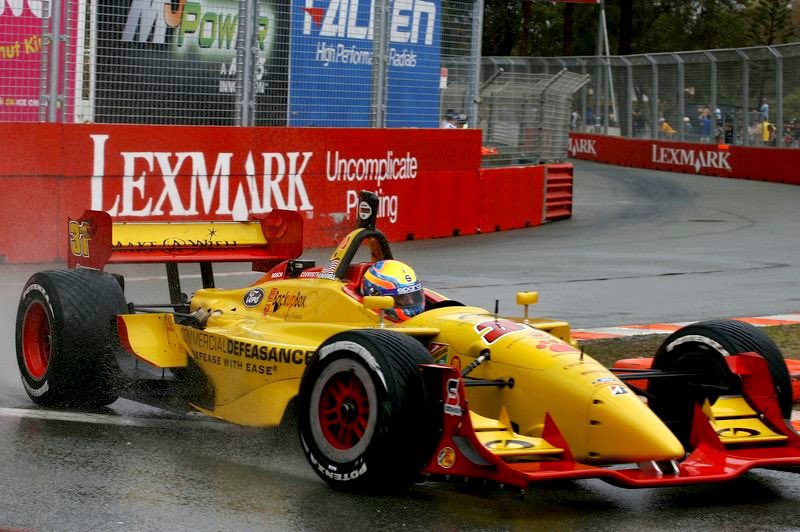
point(787, 337)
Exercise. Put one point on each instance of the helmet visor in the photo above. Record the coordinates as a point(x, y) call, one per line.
point(409, 300)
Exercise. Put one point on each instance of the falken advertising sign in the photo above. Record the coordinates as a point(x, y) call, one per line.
point(331, 62)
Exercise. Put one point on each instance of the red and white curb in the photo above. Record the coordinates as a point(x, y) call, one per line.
point(602, 333)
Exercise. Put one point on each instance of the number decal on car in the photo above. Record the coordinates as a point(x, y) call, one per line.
point(497, 328)
point(79, 238)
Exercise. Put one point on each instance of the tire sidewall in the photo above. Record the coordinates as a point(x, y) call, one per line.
point(346, 469)
point(404, 433)
point(36, 292)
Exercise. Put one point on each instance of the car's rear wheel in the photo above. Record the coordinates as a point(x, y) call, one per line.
point(365, 423)
point(701, 348)
point(62, 333)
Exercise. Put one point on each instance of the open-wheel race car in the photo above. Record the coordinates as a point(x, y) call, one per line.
point(452, 392)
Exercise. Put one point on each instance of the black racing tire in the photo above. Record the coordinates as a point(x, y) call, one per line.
point(701, 348)
point(63, 337)
point(364, 419)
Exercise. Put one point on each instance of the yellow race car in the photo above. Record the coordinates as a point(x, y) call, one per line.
point(452, 392)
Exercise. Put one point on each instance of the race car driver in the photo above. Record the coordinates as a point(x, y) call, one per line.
point(396, 279)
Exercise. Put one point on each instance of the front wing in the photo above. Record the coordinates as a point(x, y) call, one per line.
point(474, 447)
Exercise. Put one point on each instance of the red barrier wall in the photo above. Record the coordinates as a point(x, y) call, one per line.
point(429, 180)
point(779, 165)
point(511, 197)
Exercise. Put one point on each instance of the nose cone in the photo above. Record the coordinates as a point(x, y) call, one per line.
point(622, 429)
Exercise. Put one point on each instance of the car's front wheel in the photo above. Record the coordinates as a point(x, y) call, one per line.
point(365, 423)
point(700, 349)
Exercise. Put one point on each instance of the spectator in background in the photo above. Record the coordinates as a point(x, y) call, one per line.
point(730, 137)
point(688, 130)
point(667, 131)
point(772, 137)
point(764, 110)
point(766, 133)
point(638, 124)
point(450, 120)
point(786, 136)
point(718, 116)
point(705, 125)
point(575, 121)
point(796, 132)
point(719, 134)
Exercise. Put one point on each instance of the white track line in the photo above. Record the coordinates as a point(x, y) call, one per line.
point(110, 419)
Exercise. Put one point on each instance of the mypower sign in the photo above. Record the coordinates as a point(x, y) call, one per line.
point(176, 61)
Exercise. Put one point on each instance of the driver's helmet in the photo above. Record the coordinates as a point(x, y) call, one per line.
point(396, 279)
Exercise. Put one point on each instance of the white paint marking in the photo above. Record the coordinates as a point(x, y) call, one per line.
point(624, 331)
point(109, 419)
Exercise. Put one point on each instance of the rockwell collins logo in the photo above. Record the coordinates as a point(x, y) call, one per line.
point(696, 159)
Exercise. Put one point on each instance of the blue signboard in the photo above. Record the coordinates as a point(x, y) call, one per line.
point(330, 64)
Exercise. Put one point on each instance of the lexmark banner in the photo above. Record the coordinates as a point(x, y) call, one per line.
point(175, 61)
point(332, 55)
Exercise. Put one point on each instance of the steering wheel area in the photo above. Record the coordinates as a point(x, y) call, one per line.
point(340, 260)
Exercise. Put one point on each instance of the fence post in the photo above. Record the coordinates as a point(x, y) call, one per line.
point(745, 97)
point(54, 59)
point(630, 94)
point(475, 62)
point(713, 65)
point(654, 99)
point(681, 96)
point(64, 38)
point(44, 60)
point(584, 93)
point(380, 70)
point(778, 96)
point(248, 11)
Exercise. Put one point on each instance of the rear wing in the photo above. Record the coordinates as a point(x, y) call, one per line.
point(95, 240)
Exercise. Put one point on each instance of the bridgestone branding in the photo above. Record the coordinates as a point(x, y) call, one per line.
point(696, 338)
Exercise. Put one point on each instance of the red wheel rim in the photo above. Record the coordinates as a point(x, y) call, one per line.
point(36, 340)
point(344, 410)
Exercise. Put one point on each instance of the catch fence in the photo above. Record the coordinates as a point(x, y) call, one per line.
point(329, 63)
point(747, 96)
point(317, 63)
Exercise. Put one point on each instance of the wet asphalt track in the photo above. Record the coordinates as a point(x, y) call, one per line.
point(642, 247)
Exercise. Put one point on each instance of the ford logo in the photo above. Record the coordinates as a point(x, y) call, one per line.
point(253, 297)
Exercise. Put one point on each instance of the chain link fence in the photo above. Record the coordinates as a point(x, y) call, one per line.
point(322, 63)
point(748, 96)
point(328, 63)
